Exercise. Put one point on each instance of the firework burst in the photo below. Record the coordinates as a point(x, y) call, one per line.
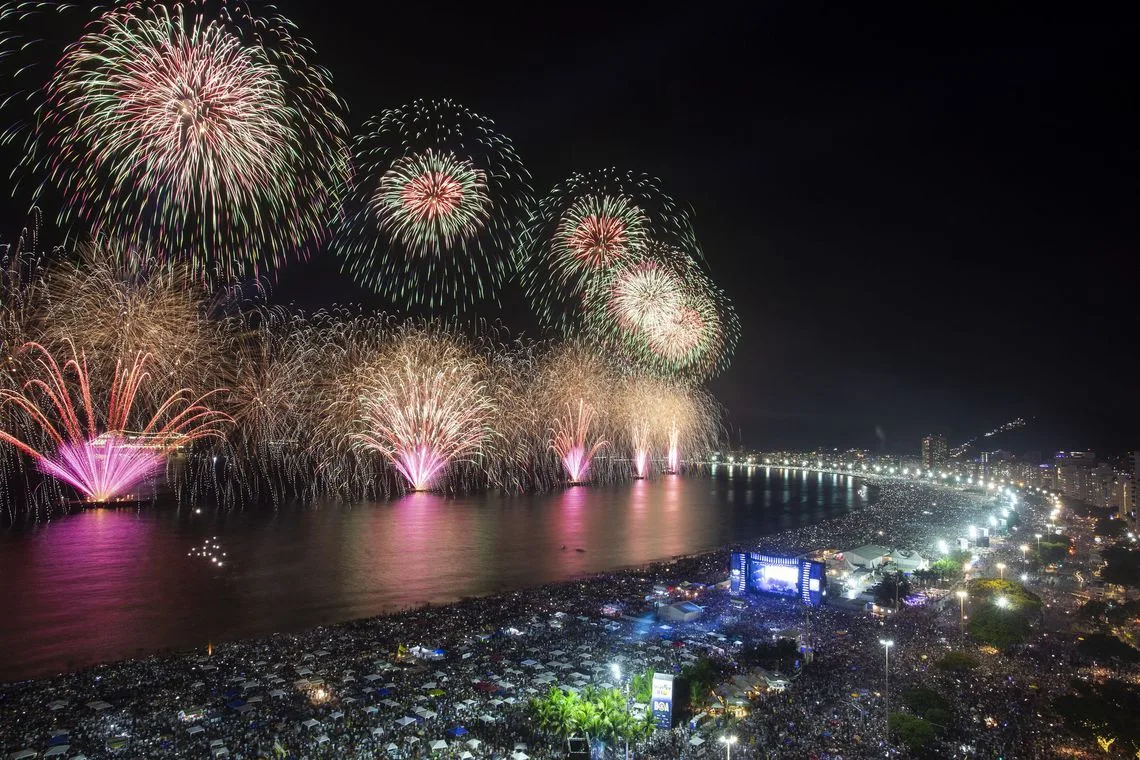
point(583, 228)
point(424, 406)
point(663, 315)
point(436, 196)
point(101, 450)
point(195, 131)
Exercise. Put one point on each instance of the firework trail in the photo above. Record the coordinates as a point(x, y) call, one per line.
point(436, 196)
point(195, 132)
point(95, 449)
point(425, 406)
point(107, 307)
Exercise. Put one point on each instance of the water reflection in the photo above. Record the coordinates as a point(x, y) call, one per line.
point(103, 584)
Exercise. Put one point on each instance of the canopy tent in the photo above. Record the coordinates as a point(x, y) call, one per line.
point(405, 721)
point(438, 744)
point(458, 731)
point(58, 750)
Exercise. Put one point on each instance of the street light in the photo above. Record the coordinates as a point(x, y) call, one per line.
point(728, 741)
point(1038, 546)
point(1024, 549)
point(887, 644)
point(1001, 570)
point(1002, 602)
point(961, 607)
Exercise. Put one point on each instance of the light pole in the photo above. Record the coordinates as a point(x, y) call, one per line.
point(887, 644)
point(1001, 570)
point(1038, 535)
point(616, 669)
point(728, 741)
point(961, 608)
point(1024, 549)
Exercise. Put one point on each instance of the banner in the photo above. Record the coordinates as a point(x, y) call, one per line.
point(662, 700)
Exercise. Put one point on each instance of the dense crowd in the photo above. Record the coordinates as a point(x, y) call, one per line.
point(454, 681)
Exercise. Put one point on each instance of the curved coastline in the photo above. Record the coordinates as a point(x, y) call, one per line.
point(898, 508)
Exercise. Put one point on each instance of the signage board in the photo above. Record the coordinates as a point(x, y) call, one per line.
point(661, 700)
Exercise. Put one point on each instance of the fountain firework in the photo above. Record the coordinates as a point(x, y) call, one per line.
point(574, 441)
point(101, 458)
point(424, 405)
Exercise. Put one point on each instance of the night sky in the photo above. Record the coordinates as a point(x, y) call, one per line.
point(926, 218)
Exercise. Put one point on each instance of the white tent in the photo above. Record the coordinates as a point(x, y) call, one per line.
point(57, 750)
point(372, 709)
point(696, 741)
point(195, 730)
point(98, 705)
point(473, 743)
point(438, 744)
point(392, 747)
point(405, 721)
point(376, 730)
point(322, 739)
point(311, 723)
point(466, 755)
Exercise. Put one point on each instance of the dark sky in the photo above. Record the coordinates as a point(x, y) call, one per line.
point(926, 217)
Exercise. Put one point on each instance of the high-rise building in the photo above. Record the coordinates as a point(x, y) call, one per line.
point(1133, 500)
point(935, 452)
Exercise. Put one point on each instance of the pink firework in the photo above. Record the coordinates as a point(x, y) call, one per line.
point(424, 406)
point(97, 453)
point(420, 465)
point(674, 456)
point(572, 441)
point(102, 469)
point(641, 462)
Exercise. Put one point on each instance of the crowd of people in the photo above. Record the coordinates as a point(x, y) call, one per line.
point(455, 681)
